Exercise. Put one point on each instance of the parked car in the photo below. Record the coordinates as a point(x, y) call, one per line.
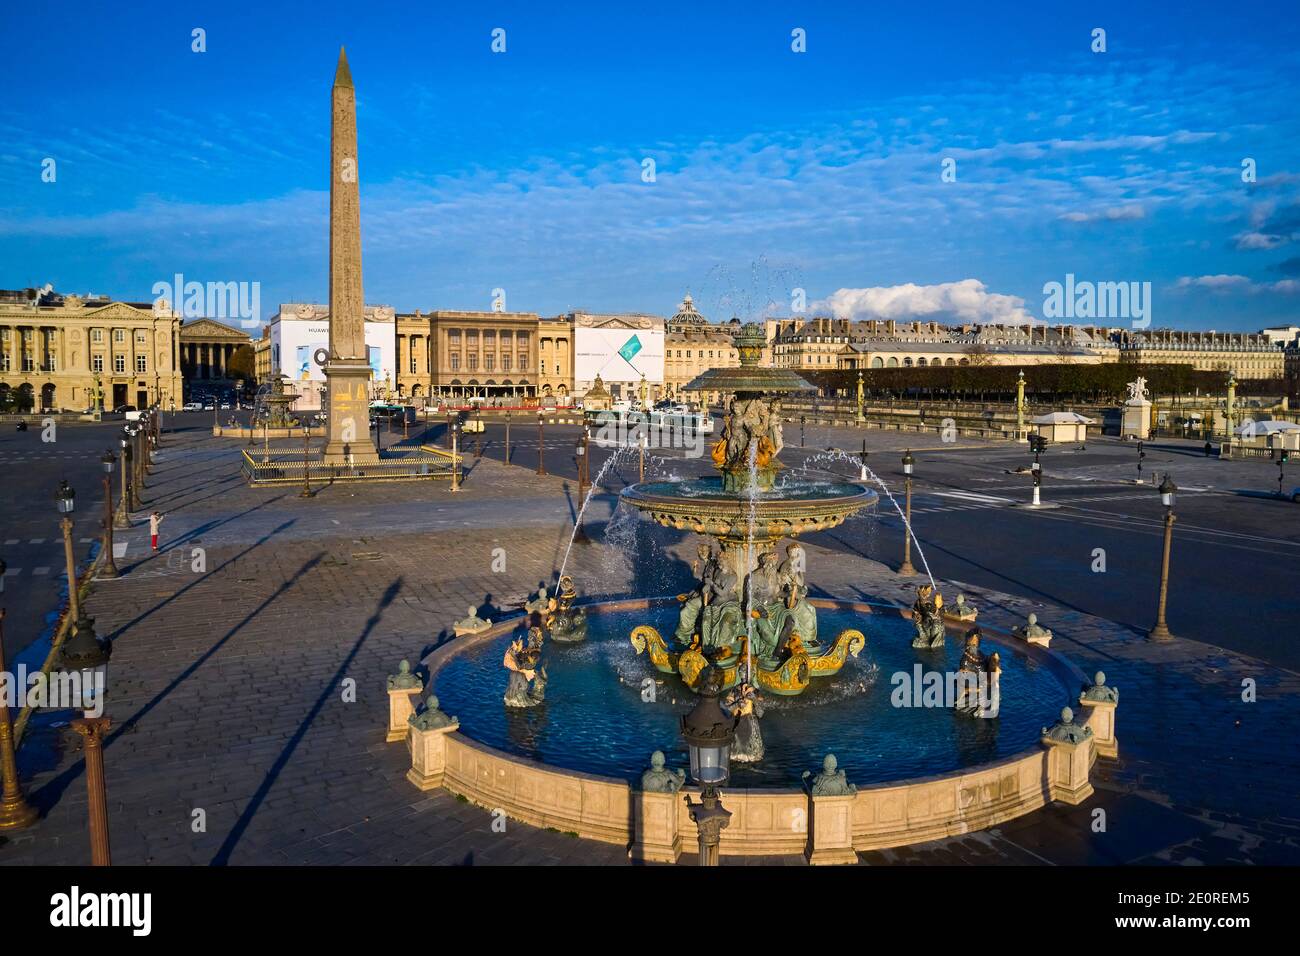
point(192, 407)
point(123, 409)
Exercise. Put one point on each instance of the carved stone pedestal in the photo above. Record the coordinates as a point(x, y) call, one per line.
point(831, 830)
point(655, 823)
point(428, 755)
point(1068, 764)
point(401, 705)
point(1100, 716)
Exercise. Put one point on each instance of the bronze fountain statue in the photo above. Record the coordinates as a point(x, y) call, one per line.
point(749, 608)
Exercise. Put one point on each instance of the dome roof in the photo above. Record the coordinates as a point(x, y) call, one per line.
point(687, 314)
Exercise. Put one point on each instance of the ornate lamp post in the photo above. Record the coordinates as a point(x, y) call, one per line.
point(1161, 631)
point(1038, 443)
point(454, 430)
point(803, 419)
point(541, 443)
point(1281, 470)
point(87, 655)
point(1141, 455)
point(66, 500)
point(906, 568)
point(124, 499)
point(15, 811)
point(580, 455)
point(306, 463)
point(507, 438)
point(108, 569)
point(860, 398)
point(1020, 405)
point(709, 733)
point(93, 730)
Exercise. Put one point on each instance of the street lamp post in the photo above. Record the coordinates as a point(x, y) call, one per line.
point(478, 433)
point(455, 456)
point(709, 733)
point(306, 463)
point(1141, 455)
point(541, 443)
point(108, 569)
point(580, 453)
point(93, 730)
point(906, 568)
point(1161, 630)
point(507, 438)
point(803, 419)
point(15, 811)
point(66, 500)
point(124, 499)
point(1037, 443)
point(1281, 471)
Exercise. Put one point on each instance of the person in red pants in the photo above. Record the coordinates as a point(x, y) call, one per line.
point(155, 520)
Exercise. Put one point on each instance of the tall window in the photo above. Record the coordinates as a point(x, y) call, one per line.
point(97, 336)
point(97, 363)
point(119, 335)
point(141, 363)
point(472, 358)
point(119, 363)
point(489, 362)
point(454, 361)
point(140, 338)
point(505, 361)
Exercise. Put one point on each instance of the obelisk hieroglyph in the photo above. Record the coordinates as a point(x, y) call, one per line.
point(347, 369)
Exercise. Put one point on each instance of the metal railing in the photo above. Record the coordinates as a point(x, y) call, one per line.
point(286, 468)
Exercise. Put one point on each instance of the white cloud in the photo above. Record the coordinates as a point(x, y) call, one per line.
point(1110, 214)
point(964, 301)
point(1213, 282)
point(1258, 240)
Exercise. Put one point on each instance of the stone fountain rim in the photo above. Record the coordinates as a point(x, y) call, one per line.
point(1062, 668)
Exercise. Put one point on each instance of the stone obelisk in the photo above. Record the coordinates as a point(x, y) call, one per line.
point(347, 370)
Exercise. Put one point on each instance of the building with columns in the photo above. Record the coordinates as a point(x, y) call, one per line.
point(206, 347)
point(60, 352)
point(458, 354)
point(555, 350)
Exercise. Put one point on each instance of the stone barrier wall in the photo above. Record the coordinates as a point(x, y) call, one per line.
point(656, 826)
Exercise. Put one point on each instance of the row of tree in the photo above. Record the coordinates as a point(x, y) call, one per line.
point(1061, 381)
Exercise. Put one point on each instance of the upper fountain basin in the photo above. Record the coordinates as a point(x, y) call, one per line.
point(792, 507)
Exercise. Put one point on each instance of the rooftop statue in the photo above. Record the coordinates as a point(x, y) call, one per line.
point(830, 782)
point(659, 779)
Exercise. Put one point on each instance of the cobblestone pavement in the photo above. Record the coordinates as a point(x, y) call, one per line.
point(235, 647)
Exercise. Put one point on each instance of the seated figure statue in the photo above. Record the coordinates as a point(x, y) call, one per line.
point(659, 779)
point(963, 611)
point(795, 589)
point(927, 618)
point(471, 624)
point(536, 607)
point(978, 678)
point(567, 624)
point(526, 686)
point(1033, 633)
point(831, 782)
point(711, 610)
point(767, 605)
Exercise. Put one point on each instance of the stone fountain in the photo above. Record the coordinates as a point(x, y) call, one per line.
point(750, 610)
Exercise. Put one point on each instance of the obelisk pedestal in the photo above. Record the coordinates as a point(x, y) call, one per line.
point(347, 370)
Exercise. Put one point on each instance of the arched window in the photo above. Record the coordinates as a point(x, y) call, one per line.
point(893, 361)
point(877, 362)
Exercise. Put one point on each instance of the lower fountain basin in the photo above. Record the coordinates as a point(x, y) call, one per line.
point(597, 720)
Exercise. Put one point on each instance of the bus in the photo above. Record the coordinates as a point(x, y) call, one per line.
point(677, 418)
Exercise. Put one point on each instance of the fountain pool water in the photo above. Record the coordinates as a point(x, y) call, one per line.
point(596, 718)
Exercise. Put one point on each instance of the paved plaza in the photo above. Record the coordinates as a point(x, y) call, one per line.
point(238, 645)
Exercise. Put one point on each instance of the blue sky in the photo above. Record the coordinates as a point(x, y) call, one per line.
point(775, 170)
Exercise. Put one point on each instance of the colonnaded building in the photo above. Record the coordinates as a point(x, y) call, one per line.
point(62, 352)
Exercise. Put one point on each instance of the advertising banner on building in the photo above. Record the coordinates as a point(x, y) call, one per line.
point(618, 354)
point(294, 345)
